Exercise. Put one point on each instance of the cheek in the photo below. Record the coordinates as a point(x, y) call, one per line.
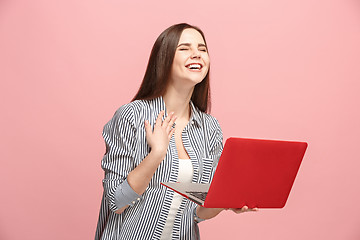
point(178, 63)
point(176, 69)
point(206, 60)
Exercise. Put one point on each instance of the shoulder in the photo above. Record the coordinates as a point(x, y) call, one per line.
point(213, 132)
point(214, 128)
point(127, 111)
point(132, 113)
point(209, 121)
point(124, 112)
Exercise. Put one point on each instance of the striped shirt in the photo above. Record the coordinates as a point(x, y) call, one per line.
point(125, 139)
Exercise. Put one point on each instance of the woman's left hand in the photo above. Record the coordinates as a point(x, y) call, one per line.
point(207, 213)
point(243, 209)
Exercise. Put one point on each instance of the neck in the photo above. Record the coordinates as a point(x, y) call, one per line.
point(178, 102)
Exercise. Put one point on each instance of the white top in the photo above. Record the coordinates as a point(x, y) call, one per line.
point(185, 175)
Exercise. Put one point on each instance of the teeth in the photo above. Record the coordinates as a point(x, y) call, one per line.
point(194, 66)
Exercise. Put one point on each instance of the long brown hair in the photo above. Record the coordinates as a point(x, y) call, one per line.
point(158, 70)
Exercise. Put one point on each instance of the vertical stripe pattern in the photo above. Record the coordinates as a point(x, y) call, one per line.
point(125, 139)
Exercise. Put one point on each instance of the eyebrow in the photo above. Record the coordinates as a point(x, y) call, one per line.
point(189, 44)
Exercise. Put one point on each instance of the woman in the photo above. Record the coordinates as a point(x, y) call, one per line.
point(163, 135)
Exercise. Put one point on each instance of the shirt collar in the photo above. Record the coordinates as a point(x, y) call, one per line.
point(195, 114)
point(159, 104)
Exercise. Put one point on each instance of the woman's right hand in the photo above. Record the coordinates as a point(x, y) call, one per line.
point(159, 138)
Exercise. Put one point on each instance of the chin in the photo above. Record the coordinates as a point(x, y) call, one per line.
point(195, 81)
point(189, 81)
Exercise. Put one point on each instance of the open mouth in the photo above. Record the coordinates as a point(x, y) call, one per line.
point(194, 66)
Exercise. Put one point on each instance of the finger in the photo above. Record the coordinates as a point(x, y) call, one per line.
point(171, 132)
point(148, 129)
point(171, 123)
point(244, 208)
point(165, 123)
point(238, 210)
point(159, 118)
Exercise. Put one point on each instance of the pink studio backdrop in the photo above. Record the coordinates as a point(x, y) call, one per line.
point(280, 69)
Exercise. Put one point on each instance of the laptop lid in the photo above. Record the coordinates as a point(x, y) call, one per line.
point(255, 172)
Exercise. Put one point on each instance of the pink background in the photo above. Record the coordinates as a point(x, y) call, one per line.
point(280, 69)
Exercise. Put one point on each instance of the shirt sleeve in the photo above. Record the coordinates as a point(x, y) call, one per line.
point(119, 135)
point(218, 147)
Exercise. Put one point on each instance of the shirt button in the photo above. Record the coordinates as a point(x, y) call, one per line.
point(138, 199)
point(133, 202)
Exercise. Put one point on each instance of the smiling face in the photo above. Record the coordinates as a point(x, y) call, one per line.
point(191, 60)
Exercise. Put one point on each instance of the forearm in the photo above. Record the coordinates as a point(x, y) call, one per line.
point(119, 211)
point(207, 213)
point(140, 177)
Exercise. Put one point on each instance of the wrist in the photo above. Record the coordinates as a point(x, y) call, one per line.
point(196, 217)
point(207, 213)
point(157, 155)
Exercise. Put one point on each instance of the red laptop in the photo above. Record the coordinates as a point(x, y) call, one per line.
point(252, 172)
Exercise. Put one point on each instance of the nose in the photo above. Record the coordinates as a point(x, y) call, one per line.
point(195, 54)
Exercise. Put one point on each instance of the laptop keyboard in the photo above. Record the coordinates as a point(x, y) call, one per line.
point(199, 195)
